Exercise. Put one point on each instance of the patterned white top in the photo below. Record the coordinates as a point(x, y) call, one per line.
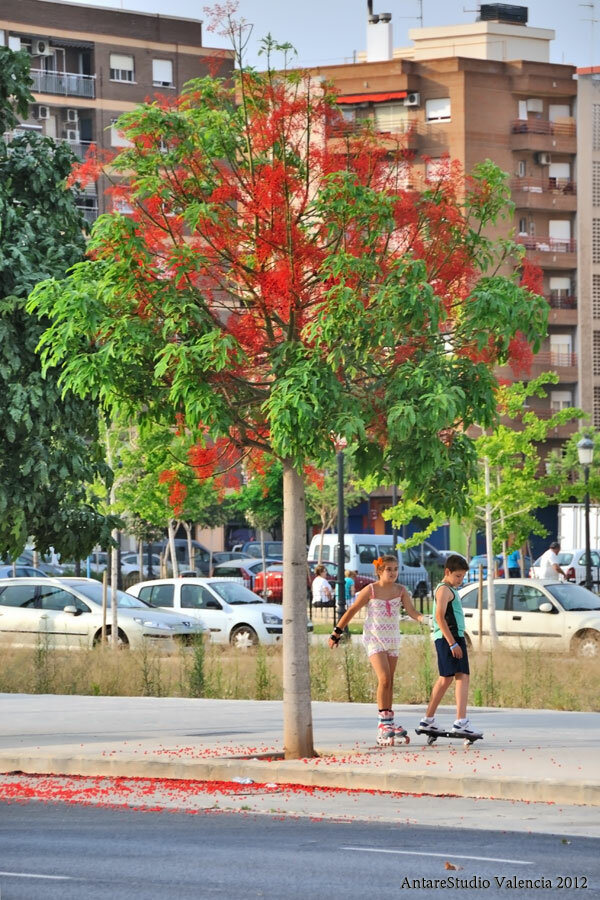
point(381, 631)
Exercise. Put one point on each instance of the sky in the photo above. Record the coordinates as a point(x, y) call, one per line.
point(330, 31)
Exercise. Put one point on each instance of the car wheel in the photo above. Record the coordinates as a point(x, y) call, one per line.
point(587, 645)
point(243, 637)
point(122, 642)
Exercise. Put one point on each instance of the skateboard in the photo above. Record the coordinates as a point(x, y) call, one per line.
point(432, 736)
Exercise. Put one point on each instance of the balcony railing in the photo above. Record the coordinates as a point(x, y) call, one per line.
point(67, 83)
point(547, 244)
point(399, 126)
point(542, 126)
point(556, 358)
point(79, 148)
point(89, 213)
point(559, 300)
point(543, 185)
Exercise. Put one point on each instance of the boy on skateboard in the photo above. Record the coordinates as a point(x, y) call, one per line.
point(453, 661)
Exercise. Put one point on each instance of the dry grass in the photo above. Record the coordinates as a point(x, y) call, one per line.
point(527, 679)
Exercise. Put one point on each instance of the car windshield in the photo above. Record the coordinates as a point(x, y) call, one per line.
point(234, 593)
point(565, 559)
point(573, 597)
point(93, 591)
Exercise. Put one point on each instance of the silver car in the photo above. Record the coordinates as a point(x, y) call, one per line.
point(543, 614)
point(66, 613)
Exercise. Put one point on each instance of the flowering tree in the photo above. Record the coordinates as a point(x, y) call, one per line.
point(275, 286)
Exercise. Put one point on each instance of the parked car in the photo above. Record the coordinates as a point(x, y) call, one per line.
point(201, 561)
point(573, 564)
point(548, 615)
point(67, 613)
point(273, 549)
point(245, 569)
point(44, 564)
point(482, 560)
point(7, 571)
point(222, 556)
point(231, 612)
point(130, 564)
point(274, 588)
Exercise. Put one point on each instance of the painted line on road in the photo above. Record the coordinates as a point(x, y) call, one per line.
point(31, 875)
point(515, 862)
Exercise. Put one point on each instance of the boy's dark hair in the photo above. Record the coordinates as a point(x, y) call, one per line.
point(456, 563)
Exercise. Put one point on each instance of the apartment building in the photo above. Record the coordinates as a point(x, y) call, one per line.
point(90, 64)
point(487, 90)
point(588, 237)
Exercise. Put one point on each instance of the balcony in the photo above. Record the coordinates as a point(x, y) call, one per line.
point(544, 193)
point(79, 148)
point(395, 131)
point(90, 213)
point(550, 252)
point(65, 83)
point(563, 308)
point(561, 300)
point(541, 134)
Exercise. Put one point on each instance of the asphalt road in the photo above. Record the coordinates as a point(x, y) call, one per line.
point(63, 852)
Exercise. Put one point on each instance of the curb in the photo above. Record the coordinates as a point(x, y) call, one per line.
point(310, 773)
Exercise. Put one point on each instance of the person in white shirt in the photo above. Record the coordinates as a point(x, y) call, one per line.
point(549, 563)
point(322, 595)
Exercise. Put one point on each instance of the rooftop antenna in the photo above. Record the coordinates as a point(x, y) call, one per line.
point(593, 21)
point(419, 17)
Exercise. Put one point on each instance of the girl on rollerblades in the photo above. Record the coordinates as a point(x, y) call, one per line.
point(381, 638)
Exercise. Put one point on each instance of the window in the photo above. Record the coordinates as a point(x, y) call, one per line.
point(560, 400)
point(194, 596)
point(469, 600)
point(596, 183)
point(437, 110)
point(560, 350)
point(523, 225)
point(14, 43)
point(391, 117)
point(596, 353)
point(121, 67)
point(158, 594)
point(162, 73)
point(527, 599)
point(522, 168)
point(22, 595)
point(436, 169)
point(117, 139)
point(557, 111)
point(596, 406)
point(325, 554)
point(366, 553)
point(55, 598)
point(595, 125)
point(596, 295)
point(596, 240)
point(122, 206)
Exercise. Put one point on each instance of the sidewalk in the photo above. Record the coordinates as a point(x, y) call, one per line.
point(525, 755)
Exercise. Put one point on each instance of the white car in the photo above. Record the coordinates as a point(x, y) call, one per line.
point(66, 613)
point(573, 563)
point(231, 612)
point(547, 615)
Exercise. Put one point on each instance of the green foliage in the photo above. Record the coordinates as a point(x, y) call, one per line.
point(260, 500)
point(15, 82)
point(49, 450)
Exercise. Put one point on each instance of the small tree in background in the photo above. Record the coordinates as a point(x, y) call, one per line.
point(274, 286)
point(322, 495)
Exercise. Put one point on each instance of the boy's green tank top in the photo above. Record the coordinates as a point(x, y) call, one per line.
point(455, 616)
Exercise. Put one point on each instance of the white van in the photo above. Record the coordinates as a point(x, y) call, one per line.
point(362, 549)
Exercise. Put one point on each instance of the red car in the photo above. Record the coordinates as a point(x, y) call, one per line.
point(274, 589)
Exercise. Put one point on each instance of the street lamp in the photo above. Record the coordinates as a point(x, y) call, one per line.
point(340, 444)
point(585, 452)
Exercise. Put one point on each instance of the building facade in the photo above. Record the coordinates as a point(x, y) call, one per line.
point(488, 91)
point(89, 65)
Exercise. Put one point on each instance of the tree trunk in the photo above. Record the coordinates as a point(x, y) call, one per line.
point(297, 712)
point(491, 562)
point(190, 547)
point(320, 558)
point(173, 552)
point(264, 562)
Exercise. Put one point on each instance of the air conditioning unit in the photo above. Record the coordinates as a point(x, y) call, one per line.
point(40, 112)
point(543, 159)
point(72, 135)
point(72, 115)
point(412, 100)
point(41, 48)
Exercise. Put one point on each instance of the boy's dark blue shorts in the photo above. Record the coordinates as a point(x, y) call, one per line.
point(448, 665)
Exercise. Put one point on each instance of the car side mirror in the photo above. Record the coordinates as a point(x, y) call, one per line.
point(546, 607)
point(72, 610)
point(213, 604)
